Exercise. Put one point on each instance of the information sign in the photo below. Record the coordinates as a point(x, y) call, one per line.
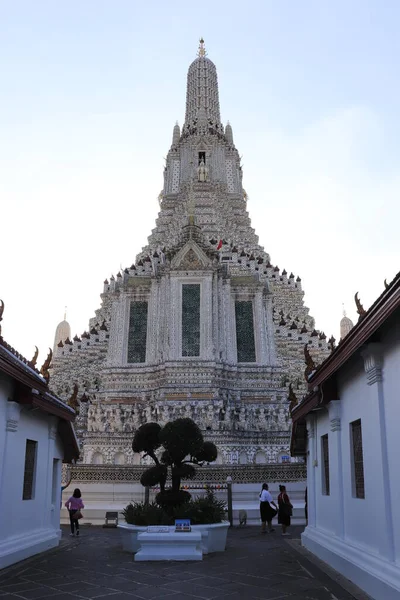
point(182, 525)
point(158, 529)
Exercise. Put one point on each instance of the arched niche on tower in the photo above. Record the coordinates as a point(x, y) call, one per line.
point(97, 458)
point(284, 457)
point(260, 458)
point(136, 459)
point(243, 458)
point(119, 458)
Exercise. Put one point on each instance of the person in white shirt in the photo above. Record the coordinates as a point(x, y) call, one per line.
point(267, 511)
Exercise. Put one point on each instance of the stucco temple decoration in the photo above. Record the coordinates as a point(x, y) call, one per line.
point(202, 324)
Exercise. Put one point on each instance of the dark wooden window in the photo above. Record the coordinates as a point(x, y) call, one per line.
point(246, 349)
point(137, 332)
point(191, 319)
point(358, 462)
point(30, 469)
point(325, 465)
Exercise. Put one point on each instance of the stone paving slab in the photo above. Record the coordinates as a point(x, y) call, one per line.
point(254, 567)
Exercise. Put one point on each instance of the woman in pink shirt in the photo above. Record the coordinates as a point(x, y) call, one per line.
point(74, 505)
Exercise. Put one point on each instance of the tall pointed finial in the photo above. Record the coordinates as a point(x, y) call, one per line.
point(343, 310)
point(65, 313)
point(202, 51)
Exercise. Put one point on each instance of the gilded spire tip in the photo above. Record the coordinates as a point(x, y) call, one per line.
point(202, 51)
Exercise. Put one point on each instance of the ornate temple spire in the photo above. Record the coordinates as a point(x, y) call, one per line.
point(229, 133)
point(346, 325)
point(63, 331)
point(176, 134)
point(202, 89)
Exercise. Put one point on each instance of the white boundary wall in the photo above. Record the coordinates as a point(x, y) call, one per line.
point(102, 497)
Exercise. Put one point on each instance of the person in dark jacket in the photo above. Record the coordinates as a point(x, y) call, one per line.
point(285, 509)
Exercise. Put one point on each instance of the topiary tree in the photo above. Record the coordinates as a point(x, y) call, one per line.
point(184, 447)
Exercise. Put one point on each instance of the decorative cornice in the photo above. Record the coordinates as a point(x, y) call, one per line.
point(334, 409)
point(373, 362)
point(208, 474)
point(12, 417)
point(310, 427)
point(53, 428)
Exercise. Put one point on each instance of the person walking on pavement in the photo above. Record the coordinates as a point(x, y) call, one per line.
point(267, 510)
point(74, 505)
point(285, 509)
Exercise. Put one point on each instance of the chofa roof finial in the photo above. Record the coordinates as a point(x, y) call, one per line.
point(360, 309)
point(202, 51)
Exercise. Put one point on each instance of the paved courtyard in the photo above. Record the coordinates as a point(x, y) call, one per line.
point(254, 566)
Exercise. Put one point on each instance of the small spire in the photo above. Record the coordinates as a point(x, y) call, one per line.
point(65, 313)
point(201, 51)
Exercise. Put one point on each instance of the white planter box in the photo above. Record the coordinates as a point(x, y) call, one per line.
point(169, 546)
point(213, 536)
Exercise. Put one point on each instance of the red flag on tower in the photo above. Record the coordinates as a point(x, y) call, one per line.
point(219, 245)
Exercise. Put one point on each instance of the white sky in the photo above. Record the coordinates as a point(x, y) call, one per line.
point(91, 91)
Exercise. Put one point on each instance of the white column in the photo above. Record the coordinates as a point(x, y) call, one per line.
point(175, 323)
point(312, 463)
point(215, 317)
point(229, 323)
point(49, 512)
point(260, 329)
point(269, 331)
point(12, 447)
point(153, 324)
point(335, 464)
point(117, 341)
point(206, 338)
point(373, 362)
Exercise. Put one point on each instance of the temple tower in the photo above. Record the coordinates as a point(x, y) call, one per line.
point(201, 325)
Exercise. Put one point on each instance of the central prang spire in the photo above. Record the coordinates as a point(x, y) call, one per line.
point(202, 98)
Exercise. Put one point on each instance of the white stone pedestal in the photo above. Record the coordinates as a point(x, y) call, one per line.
point(169, 546)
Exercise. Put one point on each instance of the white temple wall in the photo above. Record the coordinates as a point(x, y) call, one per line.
point(32, 525)
point(392, 408)
point(360, 537)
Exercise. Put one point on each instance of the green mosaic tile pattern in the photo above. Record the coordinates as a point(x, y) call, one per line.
point(191, 320)
point(137, 332)
point(246, 350)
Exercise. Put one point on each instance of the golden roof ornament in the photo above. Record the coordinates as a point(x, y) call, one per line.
point(310, 364)
point(73, 400)
point(360, 309)
point(201, 53)
point(44, 371)
point(32, 363)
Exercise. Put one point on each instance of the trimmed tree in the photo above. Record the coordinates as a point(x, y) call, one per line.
point(184, 447)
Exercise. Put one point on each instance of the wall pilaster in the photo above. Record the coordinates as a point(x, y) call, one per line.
point(260, 329)
point(336, 466)
point(312, 463)
point(373, 366)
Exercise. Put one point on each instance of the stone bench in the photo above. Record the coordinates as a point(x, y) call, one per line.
point(169, 546)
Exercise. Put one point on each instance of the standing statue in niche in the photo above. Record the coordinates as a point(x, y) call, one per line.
point(202, 171)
